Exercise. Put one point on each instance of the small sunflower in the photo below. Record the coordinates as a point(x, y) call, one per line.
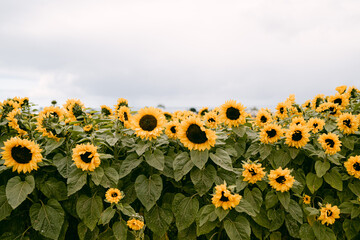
point(21, 154)
point(195, 136)
point(342, 100)
point(7, 106)
point(168, 116)
point(347, 123)
point(317, 100)
point(120, 103)
point(306, 199)
point(203, 111)
point(88, 128)
point(232, 113)
point(223, 197)
point(298, 121)
point(171, 129)
point(297, 136)
point(280, 179)
point(270, 133)
point(263, 117)
point(148, 123)
point(211, 120)
point(352, 166)
point(306, 104)
point(315, 124)
point(135, 224)
point(330, 143)
point(124, 116)
point(113, 195)
point(106, 110)
point(86, 157)
point(253, 172)
point(13, 117)
point(341, 89)
point(353, 92)
point(328, 214)
point(75, 109)
point(46, 118)
point(330, 108)
point(281, 110)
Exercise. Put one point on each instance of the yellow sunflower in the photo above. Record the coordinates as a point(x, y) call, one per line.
point(342, 100)
point(21, 154)
point(120, 103)
point(280, 179)
point(86, 157)
point(168, 116)
point(113, 195)
point(135, 224)
point(306, 199)
point(14, 123)
point(306, 104)
point(232, 113)
point(298, 121)
point(46, 118)
point(88, 128)
point(341, 89)
point(317, 100)
point(253, 172)
point(347, 123)
point(330, 143)
point(124, 116)
point(352, 166)
point(330, 108)
point(106, 110)
point(75, 109)
point(271, 133)
point(353, 91)
point(223, 197)
point(171, 129)
point(211, 120)
point(281, 110)
point(315, 124)
point(328, 214)
point(297, 136)
point(263, 117)
point(195, 136)
point(203, 111)
point(148, 123)
point(7, 106)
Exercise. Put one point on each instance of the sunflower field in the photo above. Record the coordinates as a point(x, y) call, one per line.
point(71, 172)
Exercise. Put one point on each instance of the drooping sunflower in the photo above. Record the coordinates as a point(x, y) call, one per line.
point(329, 108)
point(47, 117)
point(297, 136)
point(280, 179)
point(203, 111)
point(353, 92)
point(263, 117)
point(7, 106)
point(298, 121)
point(106, 110)
point(328, 214)
point(352, 166)
point(315, 124)
point(317, 100)
point(195, 136)
point(306, 104)
point(135, 224)
point(75, 109)
point(223, 197)
point(120, 103)
point(14, 123)
point(342, 100)
point(171, 129)
point(113, 195)
point(281, 110)
point(124, 116)
point(330, 143)
point(341, 89)
point(253, 172)
point(21, 154)
point(86, 157)
point(347, 123)
point(148, 123)
point(306, 199)
point(232, 113)
point(211, 120)
point(271, 133)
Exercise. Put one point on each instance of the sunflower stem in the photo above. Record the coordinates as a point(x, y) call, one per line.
point(31, 199)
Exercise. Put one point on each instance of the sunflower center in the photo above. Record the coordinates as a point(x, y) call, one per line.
point(317, 102)
point(105, 111)
point(211, 120)
point(315, 125)
point(280, 179)
point(223, 198)
point(330, 142)
point(263, 119)
point(232, 113)
point(114, 194)
point(203, 112)
point(148, 122)
point(173, 129)
point(332, 110)
point(21, 154)
point(195, 134)
point(329, 213)
point(281, 110)
point(126, 116)
point(356, 166)
point(338, 101)
point(252, 172)
point(347, 123)
point(85, 157)
point(297, 135)
point(271, 133)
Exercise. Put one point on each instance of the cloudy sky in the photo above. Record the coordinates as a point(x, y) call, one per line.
point(177, 53)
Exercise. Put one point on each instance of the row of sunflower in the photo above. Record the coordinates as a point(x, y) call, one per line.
point(71, 172)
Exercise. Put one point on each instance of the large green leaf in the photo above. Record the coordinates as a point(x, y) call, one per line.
point(97, 175)
point(51, 145)
point(76, 181)
point(63, 164)
point(222, 159)
point(53, 188)
point(265, 150)
point(276, 217)
point(141, 147)
point(240, 130)
point(89, 210)
point(203, 179)
point(182, 165)
point(47, 218)
point(306, 232)
point(254, 197)
point(148, 190)
point(5, 208)
point(351, 228)
point(199, 158)
point(322, 232)
point(295, 211)
point(334, 179)
point(284, 198)
point(120, 230)
point(355, 187)
point(292, 226)
point(110, 178)
point(17, 190)
point(321, 168)
point(85, 233)
point(107, 215)
point(155, 159)
point(271, 199)
point(313, 182)
point(246, 207)
point(185, 210)
point(158, 219)
point(239, 229)
point(130, 163)
point(279, 158)
point(207, 214)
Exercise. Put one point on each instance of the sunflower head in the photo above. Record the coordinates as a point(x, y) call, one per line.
point(14, 118)
point(341, 89)
point(282, 110)
point(330, 143)
point(342, 100)
point(113, 195)
point(315, 124)
point(352, 166)
point(270, 133)
point(171, 129)
point(306, 104)
point(211, 120)
point(253, 172)
point(347, 123)
point(88, 128)
point(7, 106)
point(263, 117)
point(135, 224)
point(317, 100)
point(106, 110)
point(329, 108)
point(298, 121)
point(86, 157)
point(168, 116)
point(46, 119)
point(307, 199)
point(297, 136)
point(232, 113)
point(75, 109)
point(328, 214)
point(203, 111)
point(353, 92)
point(280, 179)
point(223, 197)
point(121, 102)
point(148, 123)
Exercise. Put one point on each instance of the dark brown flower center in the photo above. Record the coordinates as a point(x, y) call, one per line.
point(105, 111)
point(329, 213)
point(356, 166)
point(148, 122)
point(271, 133)
point(202, 113)
point(21, 154)
point(173, 129)
point(252, 172)
point(330, 142)
point(114, 194)
point(315, 125)
point(232, 113)
point(338, 101)
point(211, 120)
point(317, 102)
point(263, 119)
point(297, 135)
point(281, 110)
point(347, 123)
point(223, 198)
point(85, 157)
point(280, 179)
point(332, 110)
point(195, 134)
point(126, 116)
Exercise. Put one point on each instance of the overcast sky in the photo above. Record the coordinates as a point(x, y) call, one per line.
point(178, 53)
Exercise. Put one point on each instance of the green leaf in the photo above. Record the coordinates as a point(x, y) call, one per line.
point(17, 190)
point(240, 130)
point(107, 215)
point(321, 168)
point(306, 232)
point(334, 179)
point(185, 210)
point(254, 197)
point(131, 162)
point(47, 219)
point(5, 208)
point(53, 188)
point(313, 182)
point(279, 158)
point(284, 198)
point(126, 209)
point(120, 230)
point(141, 147)
point(199, 158)
point(182, 165)
point(239, 229)
point(205, 228)
point(262, 219)
point(355, 212)
point(271, 200)
point(292, 226)
point(265, 150)
point(76, 181)
point(97, 175)
point(221, 213)
point(246, 207)
point(148, 190)
point(276, 218)
point(51, 145)
point(158, 219)
point(348, 142)
point(321, 232)
point(188, 233)
point(295, 211)
point(89, 210)
point(355, 187)
point(293, 152)
point(63, 164)
point(222, 159)
point(351, 228)
point(156, 159)
point(110, 178)
point(85, 233)
point(207, 214)
point(203, 179)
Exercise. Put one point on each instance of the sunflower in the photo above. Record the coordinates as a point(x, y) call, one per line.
point(21, 154)
point(203, 111)
point(315, 124)
point(232, 114)
point(223, 198)
point(280, 179)
point(352, 166)
point(171, 129)
point(328, 214)
point(263, 117)
point(253, 172)
point(306, 199)
point(306, 104)
point(298, 121)
point(291, 99)
point(342, 100)
point(74, 108)
point(14, 123)
point(46, 119)
point(113, 195)
point(88, 128)
point(195, 136)
point(86, 157)
point(353, 91)
point(124, 116)
point(330, 143)
point(270, 133)
point(120, 103)
point(281, 110)
point(341, 89)
point(347, 123)
point(106, 111)
point(211, 120)
point(297, 136)
point(168, 116)
point(7, 106)
point(330, 108)
point(148, 123)
point(135, 224)
point(317, 100)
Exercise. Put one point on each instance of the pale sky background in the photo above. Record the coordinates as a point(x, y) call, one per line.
point(177, 53)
